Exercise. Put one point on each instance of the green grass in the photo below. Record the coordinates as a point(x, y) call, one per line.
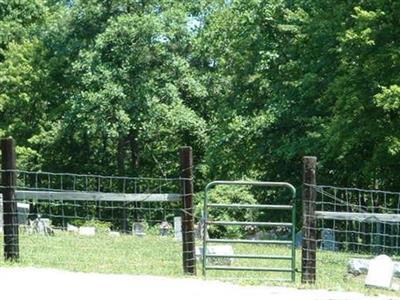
point(102, 253)
point(162, 256)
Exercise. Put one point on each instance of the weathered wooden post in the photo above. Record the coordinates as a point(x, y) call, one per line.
point(309, 247)
point(10, 214)
point(188, 237)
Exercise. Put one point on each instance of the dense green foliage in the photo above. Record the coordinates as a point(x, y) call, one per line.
point(117, 86)
point(230, 195)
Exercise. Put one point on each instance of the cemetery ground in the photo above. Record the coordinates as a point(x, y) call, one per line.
point(161, 256)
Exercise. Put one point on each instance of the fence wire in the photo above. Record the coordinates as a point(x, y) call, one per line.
point(94, 214)
point(359, 221)
point(350, 223)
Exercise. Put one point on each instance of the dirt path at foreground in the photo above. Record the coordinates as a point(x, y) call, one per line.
point(43, 284)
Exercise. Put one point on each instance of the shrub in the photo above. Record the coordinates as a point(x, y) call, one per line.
point(223, 194)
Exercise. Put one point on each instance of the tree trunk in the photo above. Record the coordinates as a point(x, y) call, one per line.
point(134, 153)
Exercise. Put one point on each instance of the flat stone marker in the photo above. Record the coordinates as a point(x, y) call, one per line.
point(218, 250)
point(72, 228)
point(380, 272)
point(88, 231)
point(178, 228)
point(358, 266)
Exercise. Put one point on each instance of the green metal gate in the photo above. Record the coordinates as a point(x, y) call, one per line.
point(290, 207)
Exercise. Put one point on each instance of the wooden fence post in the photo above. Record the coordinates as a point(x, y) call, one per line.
point(10, 214)
point(309, 247)
point(188, 238)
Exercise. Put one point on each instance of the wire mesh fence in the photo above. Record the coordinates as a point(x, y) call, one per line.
point(360, 221)
point(349, 223)
point(120, 201)
point(138, 225)
point(98, 220)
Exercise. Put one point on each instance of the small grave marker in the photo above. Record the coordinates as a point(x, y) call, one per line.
point(358, 266)
point(298, 239)
point(40, 226)
point(380, 272)
point(217, 250)
point(23, 213)
point(199, 229)
point(178, 228)
point(138, 229)
point(164, 228)
point(328, 240)
point(72, 228)
point(88, 231)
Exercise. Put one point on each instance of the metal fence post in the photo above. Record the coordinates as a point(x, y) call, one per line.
point(309, 247)
point(10, 214)
point(188, 238)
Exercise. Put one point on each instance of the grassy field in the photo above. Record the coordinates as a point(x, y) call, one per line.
point(162, 256)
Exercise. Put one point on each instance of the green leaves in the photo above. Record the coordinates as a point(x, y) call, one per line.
point(389, 98)
point(231, 195)
point(95, 86)
point(18, 18)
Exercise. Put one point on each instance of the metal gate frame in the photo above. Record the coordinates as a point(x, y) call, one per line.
point(206, 222)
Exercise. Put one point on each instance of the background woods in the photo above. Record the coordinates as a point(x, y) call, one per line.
point(118, 86)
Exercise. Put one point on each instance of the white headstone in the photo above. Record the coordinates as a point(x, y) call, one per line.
point(23, 212)
point(178, 228)
point(380, 272)
point(217, 250)
point(138, 229)
point(41, 227)
point(89, 231)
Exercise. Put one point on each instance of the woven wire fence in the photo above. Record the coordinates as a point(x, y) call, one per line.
point(351, 223)
point(99, 223)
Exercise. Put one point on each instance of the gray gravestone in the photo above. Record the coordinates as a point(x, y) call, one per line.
point(377, 238)
point(358, 266)
point(328, 240)
point(298, 239)
point(199, 229)
point(138, 229)
point(164, 228)
point(41, 226)
point(23, 213)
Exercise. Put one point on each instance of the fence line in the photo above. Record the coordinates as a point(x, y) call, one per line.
point(352, 221)
point(66, 199)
